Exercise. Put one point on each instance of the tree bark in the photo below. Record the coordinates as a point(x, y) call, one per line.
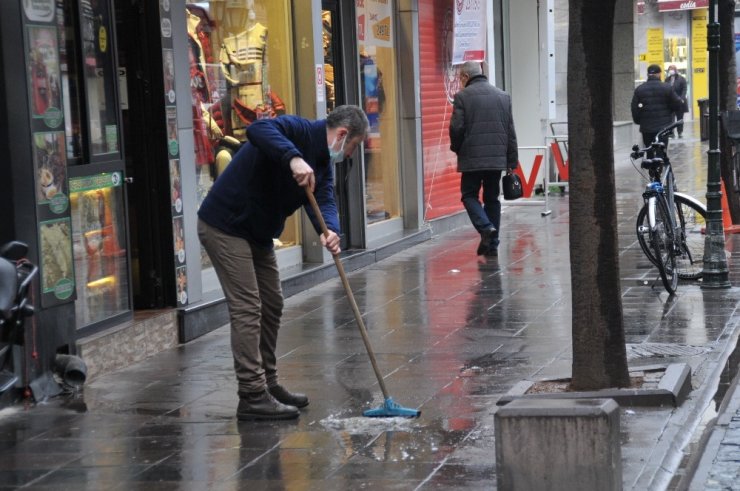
point(599, 354)
point(727, 98)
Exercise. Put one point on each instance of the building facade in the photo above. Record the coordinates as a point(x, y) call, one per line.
point(118, 116)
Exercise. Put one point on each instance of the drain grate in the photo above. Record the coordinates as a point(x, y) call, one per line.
point(661, 350)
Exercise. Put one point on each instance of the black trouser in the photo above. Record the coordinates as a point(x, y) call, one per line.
point(679, 117)
point(647, 139)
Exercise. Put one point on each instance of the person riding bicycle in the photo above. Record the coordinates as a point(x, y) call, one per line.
point(653, 106)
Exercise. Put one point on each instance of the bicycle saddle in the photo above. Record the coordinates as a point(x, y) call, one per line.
point(654, 163)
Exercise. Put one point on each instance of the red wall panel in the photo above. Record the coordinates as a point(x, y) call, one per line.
point(438, 84)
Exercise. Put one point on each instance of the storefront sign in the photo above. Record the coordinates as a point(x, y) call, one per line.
point(374, 26)
point(469, 35)
point(39, 10)
point(668, 5)
point(655, 46)
point(699, 57)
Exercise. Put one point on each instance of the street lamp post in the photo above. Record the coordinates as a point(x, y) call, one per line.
point(716, 273)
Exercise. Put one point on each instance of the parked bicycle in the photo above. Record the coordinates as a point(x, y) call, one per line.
point(670, 225)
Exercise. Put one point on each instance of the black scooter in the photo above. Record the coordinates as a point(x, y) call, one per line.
point(16, 276)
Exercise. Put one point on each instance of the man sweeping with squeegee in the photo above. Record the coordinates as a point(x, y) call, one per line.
point(286, 161)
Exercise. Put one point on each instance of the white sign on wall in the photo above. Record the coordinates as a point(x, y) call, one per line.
point(469, 32)
point(320, 88)
point(374, 22)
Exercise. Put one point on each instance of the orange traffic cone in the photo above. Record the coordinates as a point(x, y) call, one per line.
point(726, 217)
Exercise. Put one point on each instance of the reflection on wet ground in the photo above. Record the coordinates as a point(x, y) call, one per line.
point(452, 333)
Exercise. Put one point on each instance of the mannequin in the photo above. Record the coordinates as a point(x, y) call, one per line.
point(244, 66)
point(205, 130)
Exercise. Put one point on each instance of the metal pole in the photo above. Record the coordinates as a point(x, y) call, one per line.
point(716, 273)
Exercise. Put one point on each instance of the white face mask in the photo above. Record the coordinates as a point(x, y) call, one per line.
point(671, 73)
point(336, 156)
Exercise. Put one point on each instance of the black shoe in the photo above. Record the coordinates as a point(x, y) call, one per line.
point(293, 399)
point(492, 252)
point(262, 405)
point(680, 135)
point(485, 241)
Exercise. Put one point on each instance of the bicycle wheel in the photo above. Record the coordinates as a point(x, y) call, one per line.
point(692, 219)
point(661, 241)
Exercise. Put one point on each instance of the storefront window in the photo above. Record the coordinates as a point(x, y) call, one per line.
point(99, 72)
point(88, 80)
point(68, 56)
point(675, 41)
point(99, 245)
point(378, 91)
point(240, 71)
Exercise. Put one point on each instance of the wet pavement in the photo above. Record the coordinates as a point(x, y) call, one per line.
point(452, 332)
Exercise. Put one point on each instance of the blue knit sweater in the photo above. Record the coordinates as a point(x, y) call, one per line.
point(257, 192)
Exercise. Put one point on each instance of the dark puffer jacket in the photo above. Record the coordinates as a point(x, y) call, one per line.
point(653, 105)
point(482, 128)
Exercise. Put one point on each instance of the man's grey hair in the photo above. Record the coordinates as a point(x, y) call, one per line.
point(471, 69)
point(351, 117)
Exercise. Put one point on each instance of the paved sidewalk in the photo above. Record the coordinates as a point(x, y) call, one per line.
point(452, 332)
point(719, 468)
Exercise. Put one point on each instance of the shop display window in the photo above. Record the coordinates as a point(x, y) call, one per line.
point(88, 72)
point(99, 71)
point(241, 70)
point(99, 247)
point(377, 62)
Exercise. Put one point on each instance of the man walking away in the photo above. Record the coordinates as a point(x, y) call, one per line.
point(653, 105)
point(483, 137)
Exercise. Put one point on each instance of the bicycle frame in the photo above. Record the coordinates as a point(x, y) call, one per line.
point(666, 237)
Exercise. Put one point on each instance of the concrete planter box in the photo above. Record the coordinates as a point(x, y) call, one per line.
point(670, 390)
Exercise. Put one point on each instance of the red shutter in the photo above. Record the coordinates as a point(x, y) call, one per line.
point(441, 180)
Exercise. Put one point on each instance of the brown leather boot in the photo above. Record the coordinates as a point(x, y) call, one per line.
point(262, 405)
point(291, 398)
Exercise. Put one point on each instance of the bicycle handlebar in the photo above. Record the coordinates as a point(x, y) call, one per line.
point(638, 152)
point(667, 130)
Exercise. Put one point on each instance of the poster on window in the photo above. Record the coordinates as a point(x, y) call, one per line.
point(57, 270)
point(469, 31)
point(178, 231)
point(182, 285)
point(374, 22)
point(737, 66)
point(51, 170)
point(43, 67)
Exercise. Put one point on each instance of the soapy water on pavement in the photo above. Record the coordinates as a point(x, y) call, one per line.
point(8, 411)
point(357, 425)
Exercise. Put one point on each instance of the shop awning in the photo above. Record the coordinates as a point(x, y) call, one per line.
point(668, 5)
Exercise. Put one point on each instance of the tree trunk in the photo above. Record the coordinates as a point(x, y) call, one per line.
point(599, 354)
point(727, 98)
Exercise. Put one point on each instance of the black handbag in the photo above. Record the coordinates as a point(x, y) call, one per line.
point(512, 186)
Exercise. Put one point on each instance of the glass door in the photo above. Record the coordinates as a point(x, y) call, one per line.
point(89, 83)
point(334, 85)
point(377, 62)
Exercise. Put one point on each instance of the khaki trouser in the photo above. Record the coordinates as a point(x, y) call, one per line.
point(251, 283)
